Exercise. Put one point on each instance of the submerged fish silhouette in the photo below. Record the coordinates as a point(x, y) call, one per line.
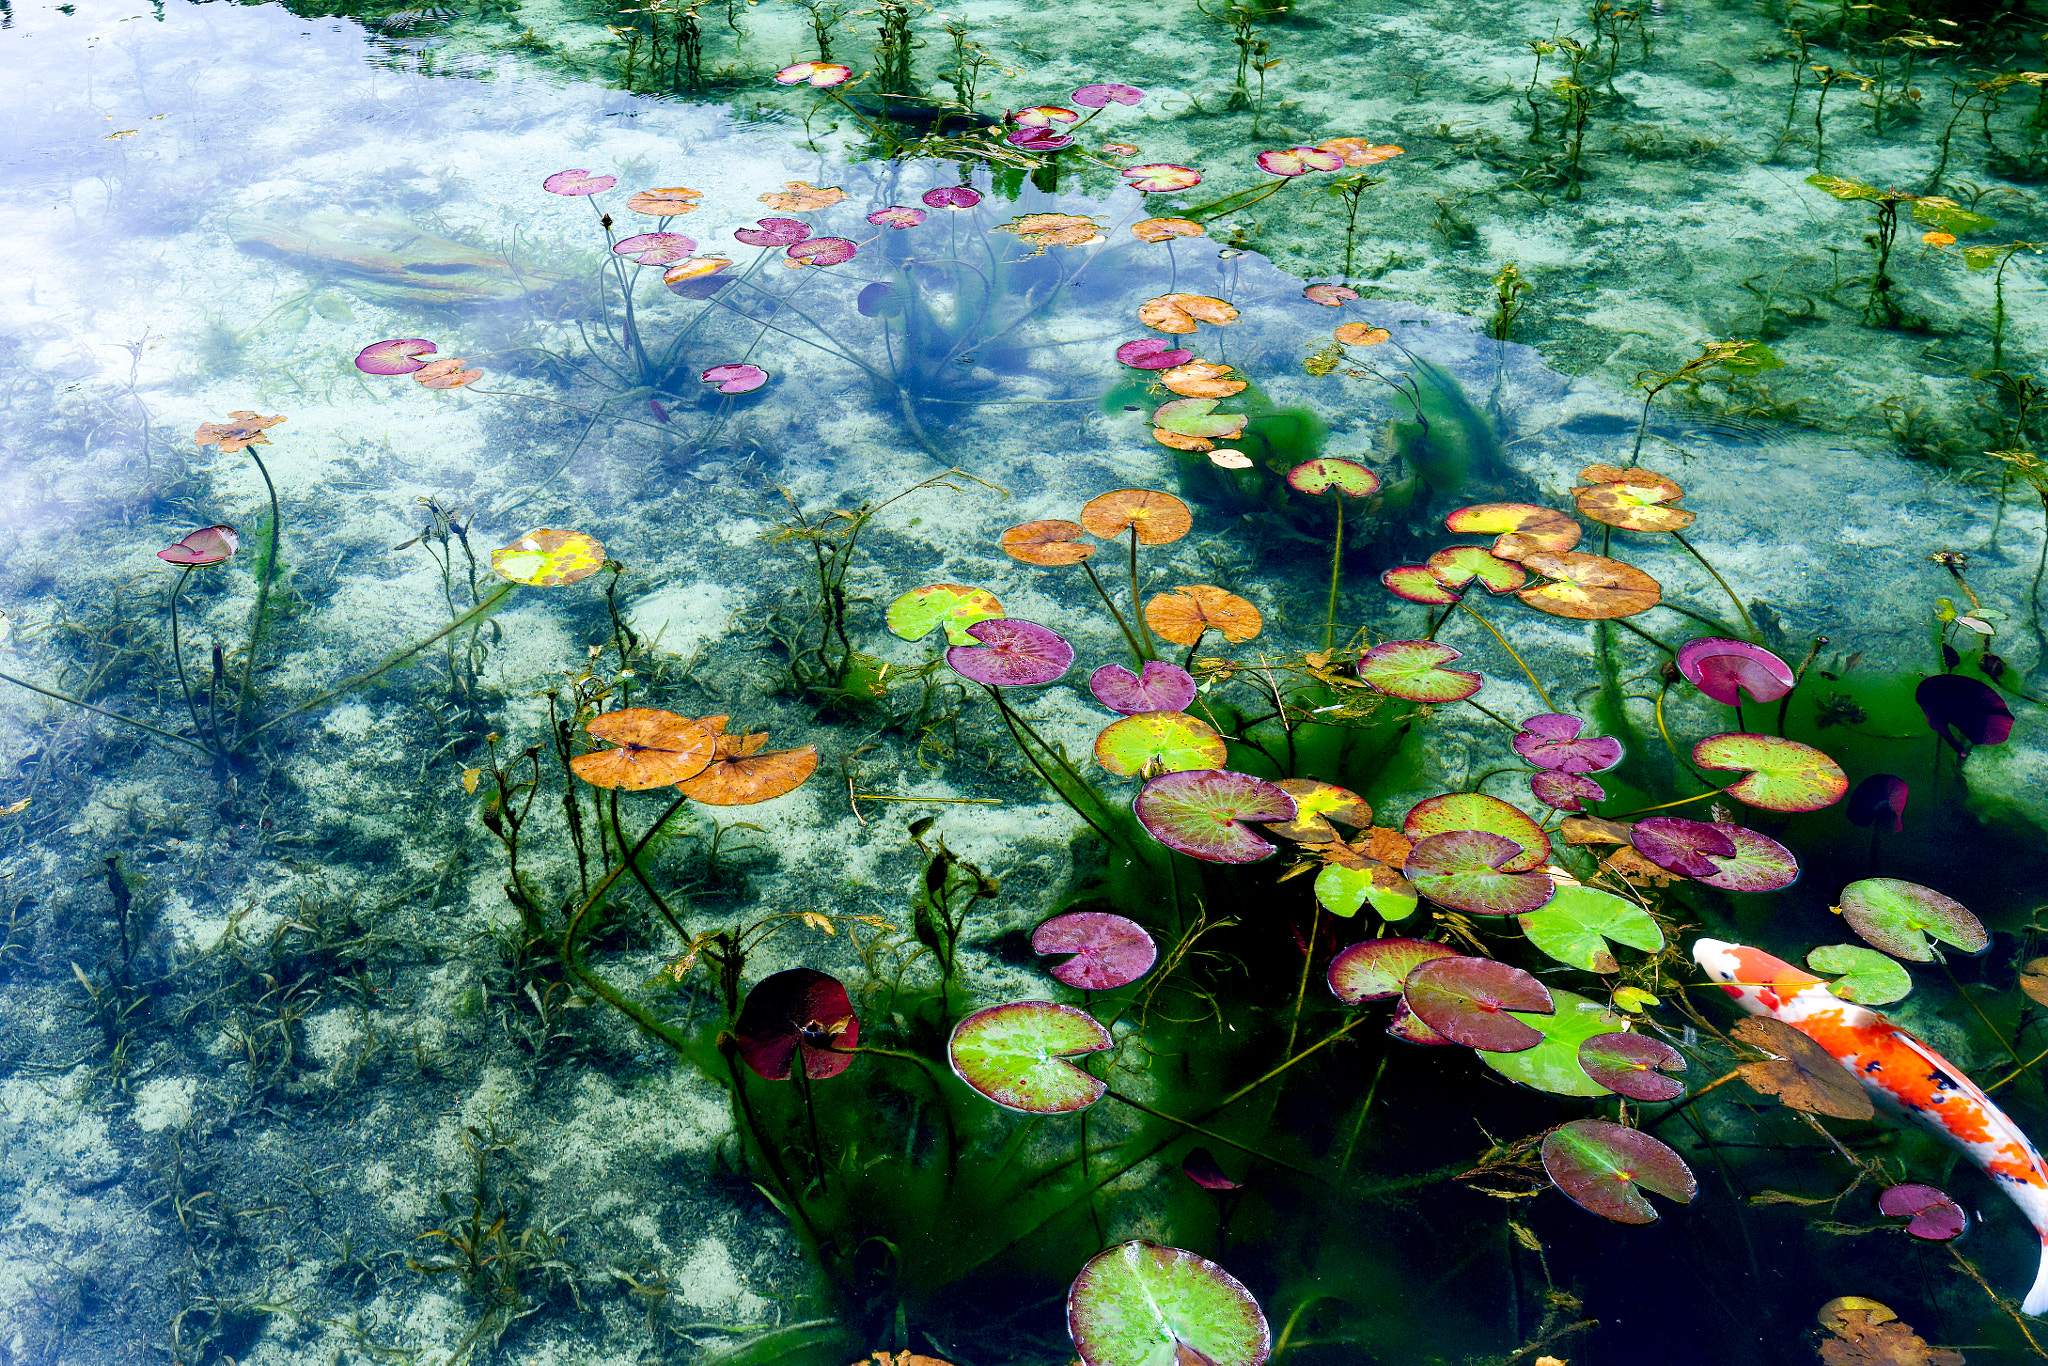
point(1902, 1073)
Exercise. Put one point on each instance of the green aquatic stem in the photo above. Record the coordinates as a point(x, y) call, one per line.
point(1150, 649)
point(259, 622)
point(1076, 791)
point(1211, 1134)
point(178, 655)
point(1534, 682)
point(111, 715)
point(1137, 651)
point(1336, 573)
point(1747, 624)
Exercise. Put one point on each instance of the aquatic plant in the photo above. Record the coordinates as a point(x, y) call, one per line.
point(1881, 307)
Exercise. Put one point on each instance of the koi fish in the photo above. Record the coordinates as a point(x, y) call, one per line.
point(1902, 1074)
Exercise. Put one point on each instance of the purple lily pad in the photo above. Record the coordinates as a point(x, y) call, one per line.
point(1759, 864)
point(1408, 1027)
point(1461, 869)
point(1200, 813)
point(1159, 687)
point(1963, 711)
point(1633, 1065)
point(1376, 969)
point(896, 216)
point(1898, 917)
point(951, 197)
point(735, 378)
point(1012, 654)
point(1552, 741)
point(208, 545)
point(1099, 96)
point(1681, 846)
point(1152, 353)
point(578, 183)
point(1934, 1216)
point(1600, 1165)
point(1724, 669)
point(879, 300)
point(1477, 811)
point(1016, 1055)
point(655, 248)
point(398, 356)
point(774, 232)
point(822, 251)
point(1037, 139)
point(1109, 951)
point(797, 1013)
point(1878, 798)
point(1200, 1167)
point(1566, 791)
point(1467, 1000)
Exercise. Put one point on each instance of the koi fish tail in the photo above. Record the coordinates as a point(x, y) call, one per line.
point(2037, 1298)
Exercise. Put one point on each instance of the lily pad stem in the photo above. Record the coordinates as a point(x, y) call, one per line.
point(111, 715)
point(1336, 566)
point(178, 655)
point(1151, 650)
point(1533, 681)
point(1130, 638)
point(1665, 806)
point(1191, 1127)
point(263, 582)
point(1747, 624)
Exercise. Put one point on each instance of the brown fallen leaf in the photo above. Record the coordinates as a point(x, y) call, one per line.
point(1594, 830)
point(1799, 1072)
point(1633, 868)
point(1870, 1334)
point(2034, 980)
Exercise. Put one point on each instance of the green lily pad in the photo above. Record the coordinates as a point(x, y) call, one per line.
point(1418, 583)
point(1197, 420)
point(1342, 890)
point(1461, 869)
point(1413, 670)
point(1016, 1055)
point(1899, 916)
point(1376, 969)
point(1318, 803)
point(1600, 1166)
point(1477, 811)
point(1784, 774)
point(1349, 478)
point(1159, 742)
point(1553, 1065)
point(1575, 925)
point(951, 605)
point(1459, 565)
point(1140, 1304)
point(1862, 975)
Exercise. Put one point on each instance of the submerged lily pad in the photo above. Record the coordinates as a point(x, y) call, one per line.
point(1108, 951)
point(1862, 975)
point(1201, 813)
point(1376, 969)
point(1554, 1065)
point(1016, 1055)
point(1576, 923)
point(1934, 1216)
point(1461, 869)
point(1604, 1167)
point(1467, 1000)
point(1899, 916)
point(954, 606)
point(798, 1014)
point(1725, 669)
point(1140, 1304)
point(1011, 654)
point(1477, 811)
point(1413, 671)
point(547, 558)
point(1159, 686)
point(1153, 742)
point(1633, 1065)
point(1878, 800)
point(1784, 774)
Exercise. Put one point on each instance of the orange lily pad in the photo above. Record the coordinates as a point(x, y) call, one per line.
point(740, 775)
point(1520, 527)
point(1362, 334)
point(1360, 151)
point(1201, 379)
point(1179, 313)
point(1044, 230)
point(798, 196)
point(668, 203)
point(1165, 229)
point(1183, 615)
point(654, 748)
point(1632, 499)
point(1588, 587)
point(1159, 518)
point(1051, 542)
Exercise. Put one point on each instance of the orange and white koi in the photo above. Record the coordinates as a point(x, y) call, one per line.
point(1902, 1074)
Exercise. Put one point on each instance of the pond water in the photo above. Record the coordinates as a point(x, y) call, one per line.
point(525, 755)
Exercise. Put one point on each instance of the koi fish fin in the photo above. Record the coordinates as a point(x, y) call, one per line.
point(2037, 1298)
point(1959, 1080)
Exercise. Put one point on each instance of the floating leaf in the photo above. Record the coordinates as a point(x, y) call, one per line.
point(1193, 608)
point(2034, 980)
point(1200, 1166)
point(1342, 889)
point(1160, 178)
point(1165, 229)
point(1552, 741)
point(1867, 1334)
point(1784, 774)
point(1191, 424)
point(1554, 1064)
point(578, 183)
point(655, 749)
point(952, 197)
point(1016, 1055)
point(1159, 518)
point(1011, 654)
point(1964, 712)
point(1799, 1072)
point(1408, 1027)
point(655, 248)
point(1413, 670)
point(1462, 870)
point(1361, 334)
point(1866, 976)
point(1605, 1168)
point(736, 378)
point(798, 197)
point(1719, 667)
point(1632, 1065)
point(1159, 687)
point(1050, 543)
point(1043, 116)
point(1139, 1304)
point(740, 775)
point(821, 74)
point(1565, 791)
point(1109, 951)
point(1587, 587)
point(1201, 812)
point(1294, 161)
point(1899, 916)
point(546, 558)
point(1418, 583)
point(1101, 96)
point(1377, 969)
point(396, 356)
point(1151, 353)
point(1681, 846)
point(1879, 798)
point(1230, 460)
point(1360, 151)
point(821, 251)
point(1330, 296)
point(1318, 803)
point(1759, 864)
point(669, 203)
point(896, 216)
point(1519, 528)
point(446, 373)
point(1154, 742)
point(1477, 811)
point(797, 1014)
point(1467, 1000)
point(1458, 565)
point(1044, 230)
point(208, 545)
point(1202, 379)
point(1934, 1216)
point(1575, 925)
point(1179, 313)
point(1632, 499)
point(954, 606)
point(1319, 476)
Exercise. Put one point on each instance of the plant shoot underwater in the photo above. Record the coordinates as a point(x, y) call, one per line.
point(826, 684)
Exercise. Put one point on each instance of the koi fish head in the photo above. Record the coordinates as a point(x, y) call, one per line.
point(1758, 981)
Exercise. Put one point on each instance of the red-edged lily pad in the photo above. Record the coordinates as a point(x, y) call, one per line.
point(1574, 927)
point(1725, 669)
point(1318, 803)
point(1784, 775)
point(1461, 869)
point(1566, 791)
point(1153, 742)
point(1158, 687)
point(1552, 741)
point(1418, 583)
point(1011, 654)
point(1633, 1065)
point(1413, 671)
point(1899, 916)
point(1681, 846)
point(1140, 1304)
point(1934, 1216)
point(1467, 999)
point(1458, 565)
point(1477, 811)
point(797, 1014)
point(1408, 1027)
point(1201, 813)
point(1109, 951)
point(1016, 1055)
point(1319, 476)
point(954, 606)
point(1759, 864)
point(1605, 1168)
point(1377, 969)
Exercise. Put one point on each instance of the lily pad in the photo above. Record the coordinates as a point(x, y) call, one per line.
point(546, 558)
point(736, 378)
point(1934, 1216)
point(797, 1014)
point(1154, 742)
point(1158, 687)
point(1457, 565)
point(1343, 889)
point(1799, 1072)
point(1964, 712)
point(1633, 1065)
point(1553, 1065)
point(1193, 424)
point(1418, 583)
point(1183, 615)
point(1011, 654)
point(741, 775)
point(1461, 869)
point(1565, 791)
point(1413, 670)
point(1862, 975)
point(1477, 811)
point(1519, 528)
point(1158, 518)
point(1140, 1304)
point(1878, 800)
point(1016, 1055)
point(1784, 775)
point(1201, 813)
point(1467, 1000)
point(1377, 969)
point(1632, 499)
point(1576, 923)
point(1587, 587)
point(1180, 313)
point(1109, 950)
point(653, 749)
point(1151, 353)
point(1318, 803)
point(1408, 1027)
point(1552, 741)
point(951, 605)
point(1725, 669)
point(1049, 543)
point(1200, 1166)
point(1202, 379)
point(1759, 864)
point(1681, 846)
point(1319, 476)
point(1899, 916)
point(1605, 1168)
